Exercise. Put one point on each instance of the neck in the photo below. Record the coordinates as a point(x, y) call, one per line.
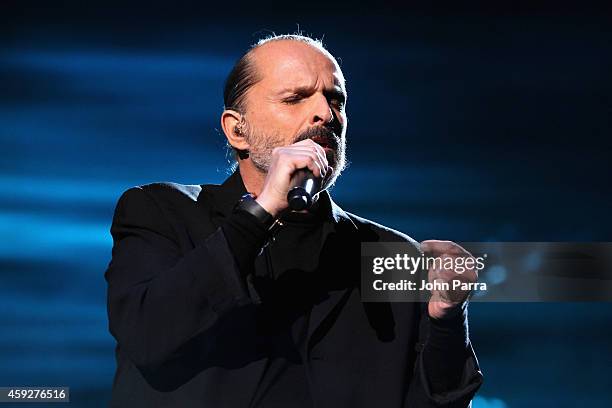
point(252, 177)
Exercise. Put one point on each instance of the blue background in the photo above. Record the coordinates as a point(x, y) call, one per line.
point(472, 124)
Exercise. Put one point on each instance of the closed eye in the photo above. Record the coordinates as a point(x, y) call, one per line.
point(336, 98)
point(338, 102)
point(293, 99)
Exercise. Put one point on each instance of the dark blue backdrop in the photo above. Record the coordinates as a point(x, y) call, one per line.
point(469, 125)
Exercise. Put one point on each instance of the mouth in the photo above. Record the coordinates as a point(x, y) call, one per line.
point(324, 142)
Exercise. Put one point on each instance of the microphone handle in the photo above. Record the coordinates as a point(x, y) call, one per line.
point(304, 186)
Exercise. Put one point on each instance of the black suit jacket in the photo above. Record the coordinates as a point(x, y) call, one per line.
point(189, 328)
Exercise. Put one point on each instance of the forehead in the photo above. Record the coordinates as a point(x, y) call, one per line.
point(287, 63)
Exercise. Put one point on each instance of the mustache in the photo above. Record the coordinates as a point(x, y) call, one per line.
point(323, 133)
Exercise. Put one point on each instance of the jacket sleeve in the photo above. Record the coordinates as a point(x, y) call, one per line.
point(159, 297)
point(446, 372)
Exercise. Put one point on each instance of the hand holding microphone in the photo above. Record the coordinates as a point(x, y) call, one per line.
point(304, 186)
point(300, 168)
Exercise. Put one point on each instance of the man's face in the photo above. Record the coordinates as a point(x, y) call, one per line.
point(301, 96)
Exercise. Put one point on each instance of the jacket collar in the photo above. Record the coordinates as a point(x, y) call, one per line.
point(224, 197)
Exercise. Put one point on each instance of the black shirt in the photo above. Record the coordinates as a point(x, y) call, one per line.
point(285, 262)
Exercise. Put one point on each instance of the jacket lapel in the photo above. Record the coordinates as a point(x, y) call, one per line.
point(217, 201)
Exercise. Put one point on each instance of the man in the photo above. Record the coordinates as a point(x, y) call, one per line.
point(221, 301)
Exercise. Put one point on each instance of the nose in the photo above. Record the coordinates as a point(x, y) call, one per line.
point(322, 113)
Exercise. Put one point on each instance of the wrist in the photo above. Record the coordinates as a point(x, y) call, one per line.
point(268, 205)
point(440, 311)
point(248, 204)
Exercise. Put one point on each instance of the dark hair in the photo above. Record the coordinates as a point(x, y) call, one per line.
point(241, 78)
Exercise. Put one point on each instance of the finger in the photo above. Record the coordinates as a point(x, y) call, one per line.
point(312, 154)
point(320, 151)
point(299, 161)
point(328, 175)
point(308, 143)
point(436, 248)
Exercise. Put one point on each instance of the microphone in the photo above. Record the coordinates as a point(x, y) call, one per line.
point(304, 186)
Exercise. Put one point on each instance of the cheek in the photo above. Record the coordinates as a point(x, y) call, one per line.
point(290, 116)
point(340, 115)
point(268, 130)
point(343, 121)
point(269, 117)
point(285, 122)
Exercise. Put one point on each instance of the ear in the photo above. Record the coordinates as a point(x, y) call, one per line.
point(230, 123)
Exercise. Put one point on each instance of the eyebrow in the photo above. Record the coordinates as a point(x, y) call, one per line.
point(336, 92)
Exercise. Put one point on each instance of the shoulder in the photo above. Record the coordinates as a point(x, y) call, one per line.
point(167, 189)
point(153, 205)
point(150, 201)
point(372, 231)
point(162, 193)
